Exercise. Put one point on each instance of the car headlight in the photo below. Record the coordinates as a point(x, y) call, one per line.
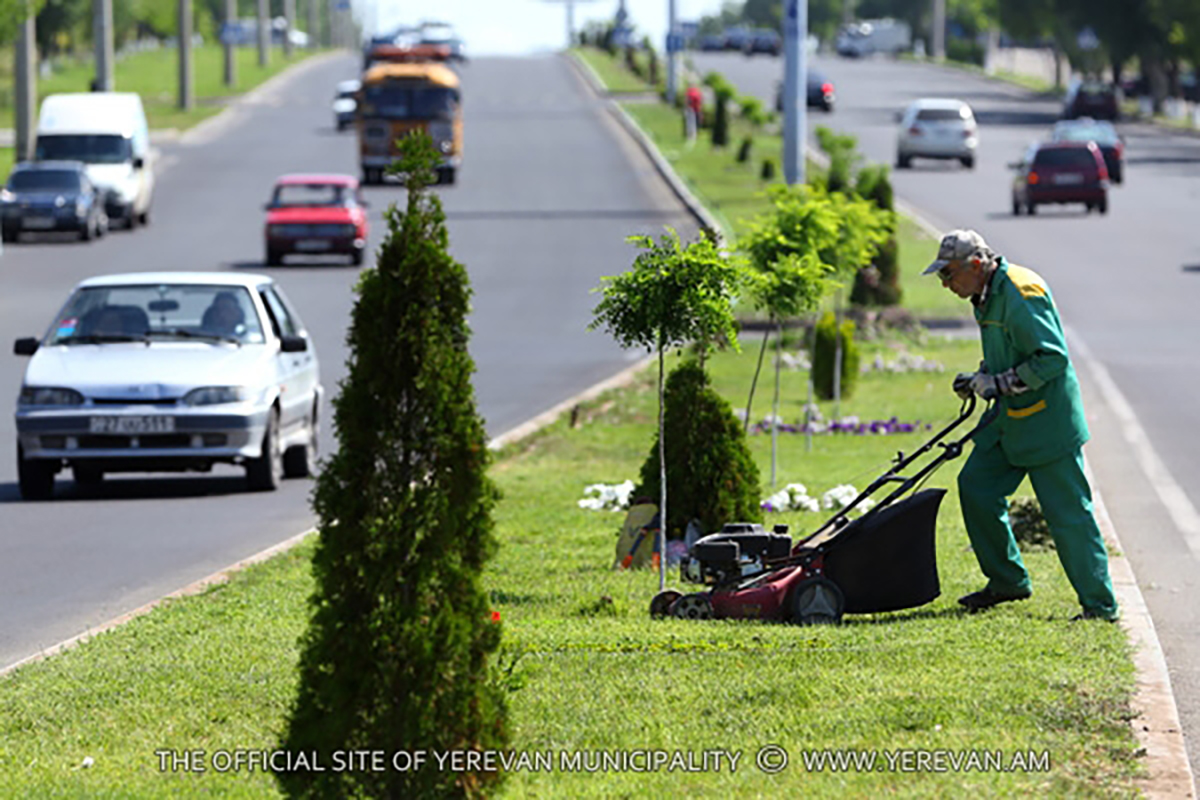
point(49, 396)
point(80, 208)
point(215, 395)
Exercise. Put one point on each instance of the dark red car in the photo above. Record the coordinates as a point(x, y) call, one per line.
point(1060, 172)
point(316, 215)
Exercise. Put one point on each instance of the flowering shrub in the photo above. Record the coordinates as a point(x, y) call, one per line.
point(850, 424)
point(795, 497)
point(904, 362)
point(603, 497)
point(839, 497)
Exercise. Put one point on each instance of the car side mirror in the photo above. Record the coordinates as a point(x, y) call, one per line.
point(1016, 164)
point(25, 347)
point(293, 344)
point(138, 162)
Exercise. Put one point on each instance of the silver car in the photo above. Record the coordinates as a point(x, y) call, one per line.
point(937, 128)
point(168, 372)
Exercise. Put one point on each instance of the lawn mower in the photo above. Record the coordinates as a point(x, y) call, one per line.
point(883, 560)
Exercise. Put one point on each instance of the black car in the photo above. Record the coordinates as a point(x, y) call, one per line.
point(713, 42)
point(763, 40)
point(820, 92)
point(1111, 145)
point(48, 196)
point(1092, 99)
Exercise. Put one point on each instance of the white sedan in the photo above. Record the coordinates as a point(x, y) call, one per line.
point(937, 128)
point(169, 372)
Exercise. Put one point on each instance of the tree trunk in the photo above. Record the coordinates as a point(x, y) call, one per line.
point(662, 478)
point(775, 408)
point(757, 370)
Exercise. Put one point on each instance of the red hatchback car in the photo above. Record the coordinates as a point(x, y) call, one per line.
point(316, 215)
point(1060, 172)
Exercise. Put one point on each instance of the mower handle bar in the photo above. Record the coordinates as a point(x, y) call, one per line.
point(950, 450)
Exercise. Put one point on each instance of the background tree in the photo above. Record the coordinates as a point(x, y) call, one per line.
point(674, 294)
point(395, 657)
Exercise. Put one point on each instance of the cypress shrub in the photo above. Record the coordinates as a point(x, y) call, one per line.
point(744, 151)
point(720, 127)
point(767, 173)
point(879, 284)
point(825, 336)
point(396, 653)
point(711, 475)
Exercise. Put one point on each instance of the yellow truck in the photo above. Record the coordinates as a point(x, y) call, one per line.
point(397, 98)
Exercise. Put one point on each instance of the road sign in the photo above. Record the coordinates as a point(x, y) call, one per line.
point(674, 42)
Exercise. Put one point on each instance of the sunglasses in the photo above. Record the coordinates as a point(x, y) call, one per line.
point(949, 271)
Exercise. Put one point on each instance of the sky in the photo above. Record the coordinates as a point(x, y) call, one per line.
point(520, 27)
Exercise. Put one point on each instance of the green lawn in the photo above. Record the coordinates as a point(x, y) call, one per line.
point(612, 71)
point(590, 670)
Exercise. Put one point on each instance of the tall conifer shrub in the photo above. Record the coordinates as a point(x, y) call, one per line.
point(395, 657)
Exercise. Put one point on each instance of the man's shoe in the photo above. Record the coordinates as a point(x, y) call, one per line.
point(986, 598)
point(1089, 614)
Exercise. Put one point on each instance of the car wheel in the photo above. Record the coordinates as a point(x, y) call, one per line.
point(273, 258)
point(1030, 209)
point(144, 217)
point(1089, 207)
point(1102, 205)
point(968, 162)
point(356, 258)
point(1016, 208)
point(903, 161)
point(372, 176)
point(35, 478)
point(300, 460)
point(445, 175)
point(87, 476)
point(817, 601)
point(8, 236)
point(264, 473)
point(131, 221)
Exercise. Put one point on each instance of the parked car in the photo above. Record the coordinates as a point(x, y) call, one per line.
point(712, 42)
point(168, 372)
point(937, 128)
point(1060, 172)
point(1111, 145)
point(316, 215)
point(819, 92)
point(46, 196)
point(1088, 98)
point(345, 103)
point(736, 38)
point(763, 40)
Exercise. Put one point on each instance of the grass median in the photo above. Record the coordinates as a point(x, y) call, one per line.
point(154, 74)
point(589, 672)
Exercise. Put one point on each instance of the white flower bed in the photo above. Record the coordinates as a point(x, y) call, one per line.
point(605, 497)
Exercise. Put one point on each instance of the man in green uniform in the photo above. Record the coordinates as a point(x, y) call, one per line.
point(1039, 430)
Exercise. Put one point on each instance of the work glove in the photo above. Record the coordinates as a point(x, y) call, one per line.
point(989, 387)
point(962, 384)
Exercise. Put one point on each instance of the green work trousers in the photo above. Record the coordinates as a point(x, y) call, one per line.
point(984, 486)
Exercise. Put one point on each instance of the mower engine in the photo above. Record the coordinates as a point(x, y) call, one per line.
point(740, 549)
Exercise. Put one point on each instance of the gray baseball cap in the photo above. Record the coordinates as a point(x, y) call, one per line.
point(957, 246)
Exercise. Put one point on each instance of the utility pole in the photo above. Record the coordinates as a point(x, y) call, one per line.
point(795, 93)
point(26, 89)
point(264, 33)
point(230, 55)
point(102, 32)
point(674, 45)
point(847, 11)
point(311, 8)
point(939, 30)
point(289, 20)
point(186, 100)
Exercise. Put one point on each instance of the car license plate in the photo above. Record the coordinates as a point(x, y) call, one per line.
point(132, 424)
point(310, 245)
point(38, 223)
point(1068, 179)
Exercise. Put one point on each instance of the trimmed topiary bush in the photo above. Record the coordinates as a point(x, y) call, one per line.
point(743, 154)
point(711, 475)
point(878, 284)
point(824, 354)
point(396, 654)
point(767, 173)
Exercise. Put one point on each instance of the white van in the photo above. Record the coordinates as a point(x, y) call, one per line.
point(107, 131)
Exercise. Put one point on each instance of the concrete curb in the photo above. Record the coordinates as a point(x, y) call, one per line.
point(1157, 725)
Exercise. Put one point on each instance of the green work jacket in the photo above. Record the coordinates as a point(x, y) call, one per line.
point(1020, 328)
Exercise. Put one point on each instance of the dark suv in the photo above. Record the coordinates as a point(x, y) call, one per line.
point(1092, 99)
point(1060, 172)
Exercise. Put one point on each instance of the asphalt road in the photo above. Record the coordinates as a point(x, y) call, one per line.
point(547, 194)
point(1127, 284)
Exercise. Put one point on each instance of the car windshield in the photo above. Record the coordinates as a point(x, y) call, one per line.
point(1101, 134)
point(307, 195)
point(216, 313)
point(396, 100)
point(942, 114)
point(88, 148)
point(44, 180)
point(1065, 157)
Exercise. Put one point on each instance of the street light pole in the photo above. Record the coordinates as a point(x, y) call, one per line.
point(939, 30)
point(185, 55)
point(102, 32)
point(264, 34)
point(25, 76)
point(230, 56)
point(673, 46)
point(795, 32)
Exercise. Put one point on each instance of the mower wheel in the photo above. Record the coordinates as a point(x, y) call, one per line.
point(693, 606)
point(817, 601)
point(660, 605)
